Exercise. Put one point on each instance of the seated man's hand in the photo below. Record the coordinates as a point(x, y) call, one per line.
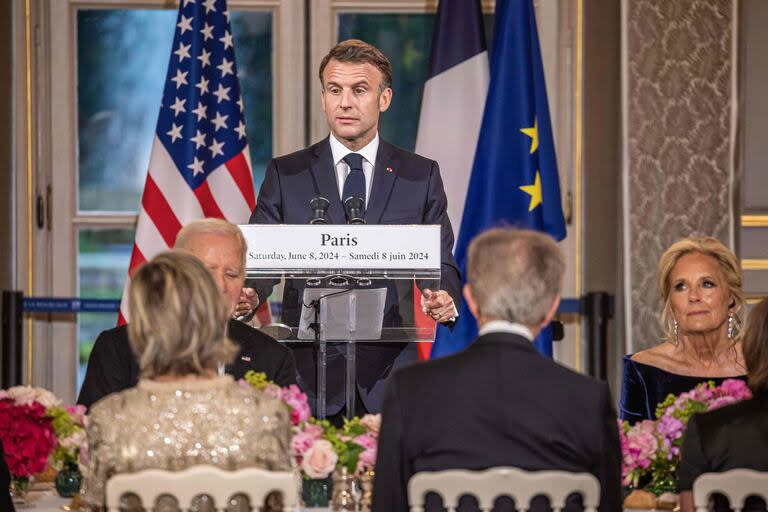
point(247, 303)
point(438, 305)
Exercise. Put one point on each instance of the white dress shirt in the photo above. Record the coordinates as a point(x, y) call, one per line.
point(508, 327)
point(368, 153)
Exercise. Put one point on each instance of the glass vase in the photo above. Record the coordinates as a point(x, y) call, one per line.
point(344, 491)
point(19, 489)
point(662, 482)
point(316, 492)
point(366, 487)
point(68, 480)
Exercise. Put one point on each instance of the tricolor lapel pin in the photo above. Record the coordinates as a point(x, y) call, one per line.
point(389, 169)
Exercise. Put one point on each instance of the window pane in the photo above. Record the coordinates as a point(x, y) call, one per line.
point(122, 59)
point(252, 31)
point(406, 39)
point(102, 264)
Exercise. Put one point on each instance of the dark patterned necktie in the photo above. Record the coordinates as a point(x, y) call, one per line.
point(354, 185)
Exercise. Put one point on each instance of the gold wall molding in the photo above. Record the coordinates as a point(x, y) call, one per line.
point(754, 221)
point(754, 264)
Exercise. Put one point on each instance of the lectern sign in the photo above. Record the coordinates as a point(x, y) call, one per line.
point(342, 246)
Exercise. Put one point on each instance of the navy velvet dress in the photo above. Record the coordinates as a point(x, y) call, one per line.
point(644, 386)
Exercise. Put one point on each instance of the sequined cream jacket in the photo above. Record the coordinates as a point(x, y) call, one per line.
point(175, 425)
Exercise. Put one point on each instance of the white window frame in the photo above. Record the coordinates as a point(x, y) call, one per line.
point(54, 100)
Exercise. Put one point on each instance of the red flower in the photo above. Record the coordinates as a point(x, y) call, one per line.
point(27, 435)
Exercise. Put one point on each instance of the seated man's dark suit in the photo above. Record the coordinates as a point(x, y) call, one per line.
point(498, 403)
point(6, 504)
point(732, 437)
point(112, 366)
point(406, 189)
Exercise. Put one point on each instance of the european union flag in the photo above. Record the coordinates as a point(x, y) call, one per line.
point(514, 177)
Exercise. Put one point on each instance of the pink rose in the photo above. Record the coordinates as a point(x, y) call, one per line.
point(319, 460)
point(372, 422)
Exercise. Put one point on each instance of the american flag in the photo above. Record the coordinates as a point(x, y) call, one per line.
point(200, 166)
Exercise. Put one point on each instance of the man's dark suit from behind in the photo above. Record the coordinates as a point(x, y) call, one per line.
point(112, 366)
point(498, 403)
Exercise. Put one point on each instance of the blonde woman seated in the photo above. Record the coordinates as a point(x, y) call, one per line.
point(700, 283)
point(182, 412)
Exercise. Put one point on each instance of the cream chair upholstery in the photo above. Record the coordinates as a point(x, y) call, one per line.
point(487, 485)
point(219, 484)
point(736, 485)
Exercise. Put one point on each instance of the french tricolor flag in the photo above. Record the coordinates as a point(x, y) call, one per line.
point(454, 98)
point(452, 106)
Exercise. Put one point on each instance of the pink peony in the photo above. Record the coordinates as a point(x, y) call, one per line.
point(372, 422)
point(297, 401)
point(736, 388)
point(367, 441)
point(314, 430)
point(720, 402)
point(78, 414)
point(301, 442)
point(320, 460)
point(641, 444)
point(367, 460)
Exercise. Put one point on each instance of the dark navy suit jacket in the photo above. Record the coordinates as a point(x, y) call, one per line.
point(406, 189)
point(112, 367)
point(497, 403)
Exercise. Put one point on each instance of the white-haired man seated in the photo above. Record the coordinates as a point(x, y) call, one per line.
point(221, 247)
point(500, 403)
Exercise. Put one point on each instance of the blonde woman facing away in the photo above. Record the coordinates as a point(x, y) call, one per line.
point(700, 284)
point(182, 412)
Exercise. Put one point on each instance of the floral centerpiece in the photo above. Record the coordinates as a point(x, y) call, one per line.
point(651, 449)
point(27, 432)
point(318, 447)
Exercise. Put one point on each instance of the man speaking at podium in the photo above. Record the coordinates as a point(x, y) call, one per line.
point(396, 187)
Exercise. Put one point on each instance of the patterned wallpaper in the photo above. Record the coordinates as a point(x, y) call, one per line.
point(678, 123)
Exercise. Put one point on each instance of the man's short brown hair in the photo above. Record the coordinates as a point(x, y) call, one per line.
point(357, 51)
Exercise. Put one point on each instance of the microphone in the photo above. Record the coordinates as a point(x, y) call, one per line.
point(354, 208)
point(319, 206)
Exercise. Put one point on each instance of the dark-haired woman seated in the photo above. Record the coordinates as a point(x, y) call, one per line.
point(735, 436)
point(700, 284)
